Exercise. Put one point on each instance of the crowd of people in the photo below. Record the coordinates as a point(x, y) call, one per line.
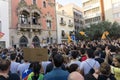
point(85, 60)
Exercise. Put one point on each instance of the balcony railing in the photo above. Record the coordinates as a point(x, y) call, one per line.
point(29, 27)
point(70, 24)
point(63, 23)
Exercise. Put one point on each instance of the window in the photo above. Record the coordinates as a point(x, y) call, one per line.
point(21, 0)
point(62, 33)
point(44, 4)
point(23, 41)
point(61, 20)
point(69, 21)
point(34, 1)
point(63, 12)
point(23, 17)
point(36, 41)
point(116, 5)
point(116, 15)
point(48, 23)
point(35, 18)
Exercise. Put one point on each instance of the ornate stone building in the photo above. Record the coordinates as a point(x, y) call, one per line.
point(33, 22)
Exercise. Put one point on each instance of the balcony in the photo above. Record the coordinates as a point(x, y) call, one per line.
point(29, 27)
point(63, 37)
point(63, 23)
point(70, 24)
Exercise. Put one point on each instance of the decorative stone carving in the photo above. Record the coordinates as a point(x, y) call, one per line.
point(22, 6)
point(34, 8)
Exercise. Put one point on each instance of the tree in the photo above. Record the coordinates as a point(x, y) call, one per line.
point(95, 31)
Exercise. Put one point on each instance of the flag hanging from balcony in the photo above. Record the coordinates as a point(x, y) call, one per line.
point(105, 34)
point(1, 34)
point(69, 38)
point(82, 33)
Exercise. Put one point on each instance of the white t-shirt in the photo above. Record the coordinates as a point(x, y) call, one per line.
point(13, 66)
point(22, 67)
point(44, 65)
point(88, 64)
point(75, 62)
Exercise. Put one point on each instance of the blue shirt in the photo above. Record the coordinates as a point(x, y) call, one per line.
point(56, 74)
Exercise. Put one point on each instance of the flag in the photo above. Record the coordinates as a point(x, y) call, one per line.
point(82, 33)
point(26, 73)
point(73, 37)
point(69, 38)
point(105, 34)
point(1, 34)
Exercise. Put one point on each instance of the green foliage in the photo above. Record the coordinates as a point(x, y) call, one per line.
point(95, 31)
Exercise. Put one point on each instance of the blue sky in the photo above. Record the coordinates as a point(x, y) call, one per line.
point(63, 2)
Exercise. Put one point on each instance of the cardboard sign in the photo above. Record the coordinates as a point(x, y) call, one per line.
point(35, 54)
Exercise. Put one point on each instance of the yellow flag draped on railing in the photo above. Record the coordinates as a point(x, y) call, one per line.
point(82, 33)
point(69, 38)
point(106, 33)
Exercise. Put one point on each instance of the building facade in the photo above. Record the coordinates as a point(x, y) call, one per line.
point(93, 11)
point(112, 10)
point(65, 23)
point(33, 22)
point(72, 14)
point(4, 23)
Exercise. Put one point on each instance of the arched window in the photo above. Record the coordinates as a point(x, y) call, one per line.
point(23, 41)
point(44, 4)
point(48, 22)
point(34, 1)
point(36, 41)
point(35, 17)
point(23, 17)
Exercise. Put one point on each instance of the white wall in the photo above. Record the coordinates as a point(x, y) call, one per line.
point(4, 18)
point(66, 28)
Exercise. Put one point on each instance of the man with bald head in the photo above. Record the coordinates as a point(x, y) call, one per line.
point(75, 76)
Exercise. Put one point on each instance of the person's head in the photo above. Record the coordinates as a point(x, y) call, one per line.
point(75, 76)
point(49, 67)
point(73, 67)
point(36, 67)
point(4, 65)
point(97, 53)
point(13, 56)
point(89, 53)
point(105, 69)
point(36, 70)
point(31, 65)
point(52, 55)
point(82, 51)
point(58, 60)
point(74, 54)
point(116, 60)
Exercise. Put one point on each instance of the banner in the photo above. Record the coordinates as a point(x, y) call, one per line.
point(35, 54)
